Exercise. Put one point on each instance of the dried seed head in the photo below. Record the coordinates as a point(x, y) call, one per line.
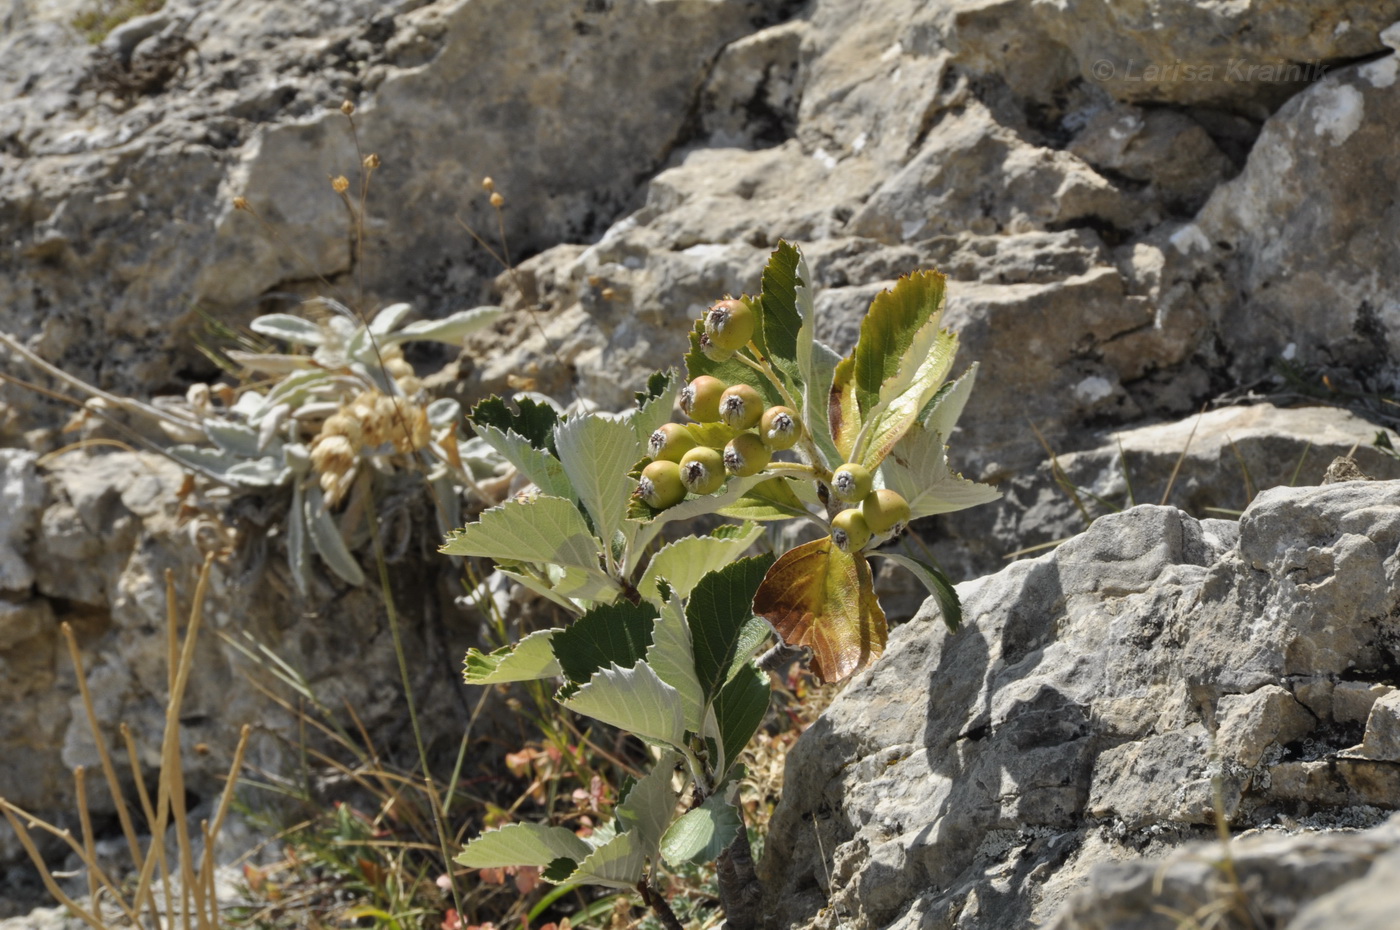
point(371, 161)
point(241, 203)
point(347, 108)
point(497, 200)
point(487, 184)
point(333, 454)
point(340, 184)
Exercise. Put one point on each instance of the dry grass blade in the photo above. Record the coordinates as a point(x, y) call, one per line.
point(1180, 459)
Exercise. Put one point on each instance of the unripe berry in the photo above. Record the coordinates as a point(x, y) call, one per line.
point(729, 324)
point(702, 470)
point(670, 442)
point(852, 482)
point(700, 399)
point(885, 510)
point(849, 530)
point(660, 486)
point(746, 455)
point(740, 407)
point(779, 428)
point(713, 352)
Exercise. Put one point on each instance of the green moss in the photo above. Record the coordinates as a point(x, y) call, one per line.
point(105, 15)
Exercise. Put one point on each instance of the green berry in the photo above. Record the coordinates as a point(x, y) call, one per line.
point(660, 486)
point(670, 442)
point(740, 407)
point(885, 510)
point(700, 399)
point(849, 530)
point(746, 455)
point(702, 470)
point(779, 428)
point(713, 352)
point(729, 324)
point(852, 482)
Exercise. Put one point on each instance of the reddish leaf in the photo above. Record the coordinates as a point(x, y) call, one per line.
point(821, 597)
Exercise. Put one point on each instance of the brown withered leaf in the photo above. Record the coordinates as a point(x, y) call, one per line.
point(821, 597)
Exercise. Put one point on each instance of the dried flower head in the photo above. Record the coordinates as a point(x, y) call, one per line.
point(487, 184)
point(371, 161)
point(497, 200)
point(347, 108)
point(340, 184)
point(240, 203)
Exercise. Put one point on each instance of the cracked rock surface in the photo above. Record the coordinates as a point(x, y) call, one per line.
point(1093, 704)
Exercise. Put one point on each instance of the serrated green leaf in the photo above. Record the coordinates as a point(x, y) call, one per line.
point(528, 660)
point(703, 833)
point(533, 844)
point(633, 699)
point(451, 329)
point(717, 611)
point(774, 499)
point(537, 465)
point(541, 530)
point(917, 468)
point(888, 421)
point(731, 372)
point(816, 366)
point(684, 562)
point(288, 328)
point(778, 318)
point(937, 583)
point(740, 708)
point(819, 596)
point(890, 329)
point(325, 536)
point(560, 586)
point(606, 635)
point(647, 806)
point(655, 404)
point(597, 453)
point(534, 421)
point(618, 863)
point(942, 412)
point(672, 658)
point(751, 636)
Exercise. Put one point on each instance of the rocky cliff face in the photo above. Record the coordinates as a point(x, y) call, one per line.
point(1106, 701)
point(1143, 208)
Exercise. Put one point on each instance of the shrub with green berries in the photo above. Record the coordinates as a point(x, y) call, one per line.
point(779, 428)
point(670, 441)
point(702, 470)
point(700, 399)
point(740, 407)
point(885, 511)
point(851, 482)
point(660, 485)
point(746, 455)
point(729, 324)
point(664, 637)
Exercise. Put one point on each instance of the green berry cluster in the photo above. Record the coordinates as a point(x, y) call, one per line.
point(740, 436)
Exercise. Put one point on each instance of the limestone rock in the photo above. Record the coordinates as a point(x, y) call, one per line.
point(22, 496)
point(1097, 699)
point(1302, 882)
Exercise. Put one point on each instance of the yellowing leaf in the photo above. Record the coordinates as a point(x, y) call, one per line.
point(821, 597)
point(891, 329)
point(843, 410)
point(887, 422)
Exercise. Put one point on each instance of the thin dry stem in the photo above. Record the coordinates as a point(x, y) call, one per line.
point(109, 771)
